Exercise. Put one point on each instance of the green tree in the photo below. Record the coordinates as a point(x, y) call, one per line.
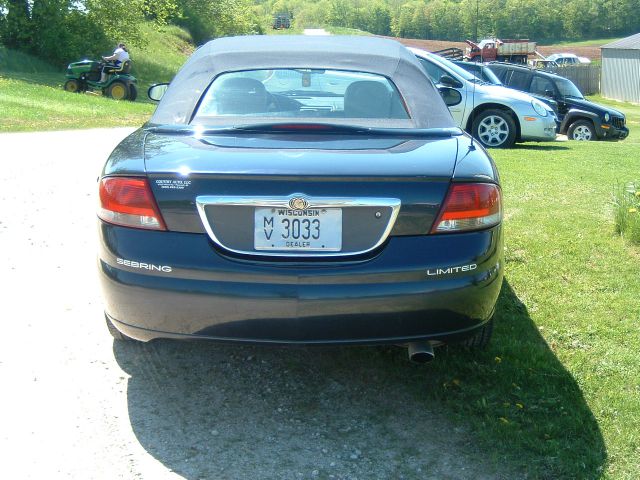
point(15, 28)
point(62, 30)
point(207, 19)
point(341, 13)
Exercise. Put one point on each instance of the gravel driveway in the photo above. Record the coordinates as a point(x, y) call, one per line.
point(315, 31)
point(77, 405)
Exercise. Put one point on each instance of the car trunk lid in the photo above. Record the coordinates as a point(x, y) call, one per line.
point(224, 185)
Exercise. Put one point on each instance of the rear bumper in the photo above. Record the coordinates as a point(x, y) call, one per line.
point(392, 296)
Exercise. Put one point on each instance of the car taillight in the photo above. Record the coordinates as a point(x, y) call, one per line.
point(469, 206)
point(129, 202)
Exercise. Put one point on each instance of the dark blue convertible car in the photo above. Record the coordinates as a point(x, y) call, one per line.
point(301, 190)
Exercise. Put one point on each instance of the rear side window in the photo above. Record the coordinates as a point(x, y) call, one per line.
point(500, 71)
point(519, 80)
point(542, 86)
point(490, 77)
point(300, 93)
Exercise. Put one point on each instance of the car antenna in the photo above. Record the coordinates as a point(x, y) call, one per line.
point(472, 145)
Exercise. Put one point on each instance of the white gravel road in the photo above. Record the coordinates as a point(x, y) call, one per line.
point(75, 404)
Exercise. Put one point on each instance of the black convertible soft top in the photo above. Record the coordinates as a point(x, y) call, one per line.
point(360, 54)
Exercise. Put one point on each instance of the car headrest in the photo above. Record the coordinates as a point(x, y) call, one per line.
point(367, 99)
point(241, 96)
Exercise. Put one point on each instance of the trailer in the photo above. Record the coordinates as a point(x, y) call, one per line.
point(452, 53)
point(494, 49)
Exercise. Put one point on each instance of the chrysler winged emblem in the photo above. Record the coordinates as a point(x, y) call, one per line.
point(298, 203)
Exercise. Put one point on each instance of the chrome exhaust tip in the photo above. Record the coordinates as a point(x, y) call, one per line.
point(421, 352)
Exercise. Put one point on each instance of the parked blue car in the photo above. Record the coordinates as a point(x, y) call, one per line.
point(301, 190)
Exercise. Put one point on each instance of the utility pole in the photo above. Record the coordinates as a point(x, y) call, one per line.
point(477, 15)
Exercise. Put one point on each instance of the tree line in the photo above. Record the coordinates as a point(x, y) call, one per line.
point(63, 30)
point(540, 20)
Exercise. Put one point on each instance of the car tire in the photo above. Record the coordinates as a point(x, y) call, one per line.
point(494, 129)
point(133, 93)
point(72, 86)
point(582, 130)
point(481, 339)
point(115, 333)
point(118, 90)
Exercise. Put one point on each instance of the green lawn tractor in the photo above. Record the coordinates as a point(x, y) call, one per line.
point(85, 76)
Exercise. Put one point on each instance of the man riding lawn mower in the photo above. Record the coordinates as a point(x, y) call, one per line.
point(113, 79)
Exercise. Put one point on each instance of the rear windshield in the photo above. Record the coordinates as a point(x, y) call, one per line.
point(335, 96)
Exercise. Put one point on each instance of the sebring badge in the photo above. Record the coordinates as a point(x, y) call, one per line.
point(298, 203)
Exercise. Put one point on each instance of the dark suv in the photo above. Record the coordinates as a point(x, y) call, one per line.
point(579, 118)
point(484, 73)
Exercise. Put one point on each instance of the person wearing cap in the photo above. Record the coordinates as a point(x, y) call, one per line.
point(120, 55)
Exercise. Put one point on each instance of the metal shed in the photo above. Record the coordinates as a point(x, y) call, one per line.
point(621, 69)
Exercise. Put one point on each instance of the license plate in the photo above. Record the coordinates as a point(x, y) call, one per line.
point(312, 230)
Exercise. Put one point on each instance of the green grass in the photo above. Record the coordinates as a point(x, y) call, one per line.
point(22, 66)
point(345, 31)
point(586, 43)
point(26, 106)
point(31, 95)
point(567, 337)
point(294, 30)
point(631, 111)
point(162, 56)
point(13, 61)
point(627, 210)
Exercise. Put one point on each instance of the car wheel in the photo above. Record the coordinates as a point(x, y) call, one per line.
point(72, 86)
point(481, 339)
point(118, 91)
point(582, 130)
point(494, 129)
point(133, 93)
point(115, 333)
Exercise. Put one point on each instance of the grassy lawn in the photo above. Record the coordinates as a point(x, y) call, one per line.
point(631, 111)
point(557, 394)
point(586, 43)
point(294, 30)
point(345, 31)
point(32, 98)
point(161, 58)
point(29, 106)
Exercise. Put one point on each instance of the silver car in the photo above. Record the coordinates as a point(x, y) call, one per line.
point(497, 116)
